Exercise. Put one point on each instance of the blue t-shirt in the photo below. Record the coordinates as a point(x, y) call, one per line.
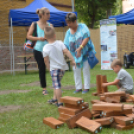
point(40, 44)
point(73, 41)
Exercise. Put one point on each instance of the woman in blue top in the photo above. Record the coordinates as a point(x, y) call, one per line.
point(44, 15)
point(77, 40)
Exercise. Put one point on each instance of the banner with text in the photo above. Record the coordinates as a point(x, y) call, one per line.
point(108, 39)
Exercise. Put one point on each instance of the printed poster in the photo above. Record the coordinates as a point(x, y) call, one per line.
point(108, 39)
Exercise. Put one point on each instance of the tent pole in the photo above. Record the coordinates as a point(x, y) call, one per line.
point(72, 5)
point(12, 47)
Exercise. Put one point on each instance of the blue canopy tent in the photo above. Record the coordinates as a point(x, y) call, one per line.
point(126, 18)
point(25, 16)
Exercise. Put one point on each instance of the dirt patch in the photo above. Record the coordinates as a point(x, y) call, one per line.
point(68, 87)
point(14, 91)
point(36, 83)
point(8, 108)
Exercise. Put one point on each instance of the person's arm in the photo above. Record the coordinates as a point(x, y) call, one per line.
point(30, 34)
point(46, 60)
point(86, 38)
point(83, 44)
point(115, 82)
point(67, 53)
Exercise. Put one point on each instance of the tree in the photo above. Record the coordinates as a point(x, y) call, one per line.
point(91, 11)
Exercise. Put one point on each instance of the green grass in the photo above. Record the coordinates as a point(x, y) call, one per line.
point(29, 118)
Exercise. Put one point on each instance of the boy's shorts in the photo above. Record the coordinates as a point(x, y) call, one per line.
point(56, 78)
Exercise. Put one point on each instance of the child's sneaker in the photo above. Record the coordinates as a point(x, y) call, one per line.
point(77, 91)
point(85, 91)
point(52, 101)
point(59, 104)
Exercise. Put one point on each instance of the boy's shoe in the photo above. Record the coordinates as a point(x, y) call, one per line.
point(59, 104)
point(77, 91)
point(52, 101)
point(85, 91)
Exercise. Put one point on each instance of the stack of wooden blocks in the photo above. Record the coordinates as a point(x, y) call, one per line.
point(76, 114)
point(116, 97)
point(117, 115)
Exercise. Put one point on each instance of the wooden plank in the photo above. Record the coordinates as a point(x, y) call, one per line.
point(97, 101)
point(131, 97)
point(96, 116)
point(71, 100)
point(111, 113)
point(102, 98)
point(69, 111)
point(25, 55)
point(89, 125)
point(121, 127)
point(121, 93)
point(95, 94)
point(105, 121)
point(95, 112)
point(130, 115)
point(110, 107)
point(72, 121)
point(27, 63)
point(81, 106)
point(103, 80)
point(112, 99)
point(98, 84)
point(127, 111)
point(123, 120)
point(52, 122)
point(64, 117)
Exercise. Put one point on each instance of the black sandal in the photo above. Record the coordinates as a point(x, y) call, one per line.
point(52, 101)
point(59, 104)
point(45, 92)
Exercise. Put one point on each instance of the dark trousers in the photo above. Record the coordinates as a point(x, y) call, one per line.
point(41, 66)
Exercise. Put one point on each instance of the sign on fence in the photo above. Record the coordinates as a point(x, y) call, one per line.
point(108, 32)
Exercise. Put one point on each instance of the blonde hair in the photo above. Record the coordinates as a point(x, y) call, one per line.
point(49, 32)
point(41, 11)
point(116, 62)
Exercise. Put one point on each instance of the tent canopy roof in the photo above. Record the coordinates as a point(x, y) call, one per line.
point(126, 18)
point(25, 16)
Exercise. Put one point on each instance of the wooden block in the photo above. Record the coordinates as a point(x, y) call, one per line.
point(96, 101)
point(104, 80)
point(105, 121)
point(127, 111)
point(130, 115)
point(111, 113)
point(81, 106)
point(89, 125)
point(121, 127)
point(112, 99)
point(128, 106)
point(71, 100)
point(102, 98)
point(96, 116)
point(108, 106)
point(69, 111)
point(95, 94)
point(123, 120)
point(71, 122)
point(52, 122)
point(121, 93)
point(131, 97)
point(95, 112)
point(98, 84)
point(133, 110)
point(64, 117)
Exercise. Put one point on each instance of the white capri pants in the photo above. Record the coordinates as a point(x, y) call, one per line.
point(86, 76)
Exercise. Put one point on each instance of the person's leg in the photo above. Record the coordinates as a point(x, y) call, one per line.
point(42, 69)
point(77, 79)
point(86, 75)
